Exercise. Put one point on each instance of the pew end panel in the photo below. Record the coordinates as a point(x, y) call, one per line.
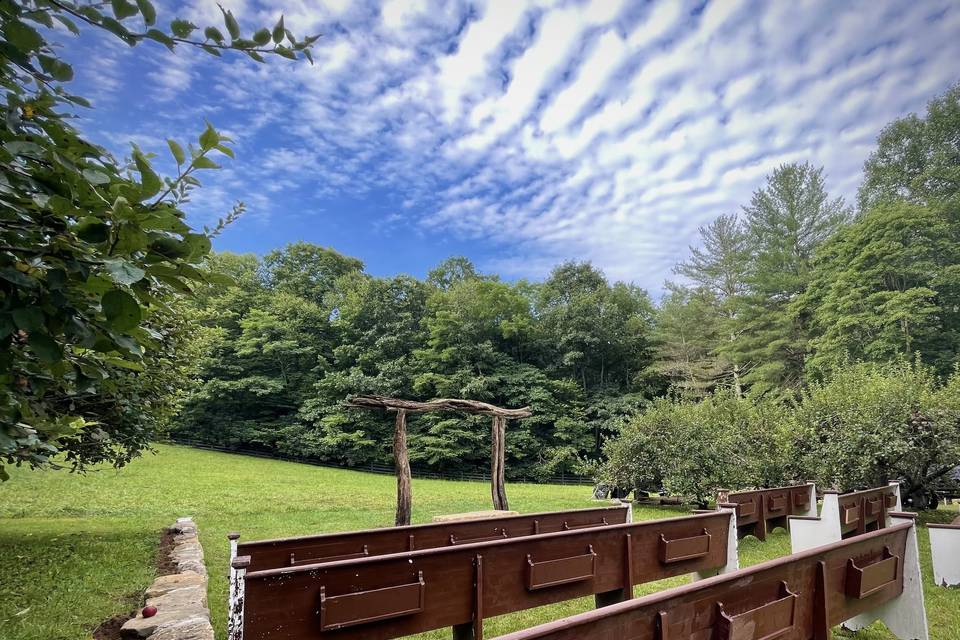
point(904, 615)
point(945, 552)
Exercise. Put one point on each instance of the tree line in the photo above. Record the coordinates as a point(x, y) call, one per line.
point(305, 327)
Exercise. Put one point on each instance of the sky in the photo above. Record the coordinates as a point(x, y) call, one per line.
point(520, 133)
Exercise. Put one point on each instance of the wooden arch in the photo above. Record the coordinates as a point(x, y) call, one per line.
point(498, 430)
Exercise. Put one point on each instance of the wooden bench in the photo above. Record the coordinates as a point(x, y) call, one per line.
point(390, 596)
point(875, 576)
point(945, 552)
point(301, 550)
point(760, 510)
point(845, 515)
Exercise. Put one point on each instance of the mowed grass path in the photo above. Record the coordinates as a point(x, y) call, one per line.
point(78, 549)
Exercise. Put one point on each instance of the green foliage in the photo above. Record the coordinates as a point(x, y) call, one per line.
point(694, 448)
point(888, 286)
point(93, 252)
point(868, 424)
point(787, 221)
point(873, 423)
point(278, 366)
point(917, 159)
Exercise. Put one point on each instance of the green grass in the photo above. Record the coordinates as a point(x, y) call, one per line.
point(78, 549)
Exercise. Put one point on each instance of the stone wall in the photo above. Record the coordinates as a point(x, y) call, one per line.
point(181, 597)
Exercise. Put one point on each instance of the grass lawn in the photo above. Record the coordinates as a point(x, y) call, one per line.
point(77, 550)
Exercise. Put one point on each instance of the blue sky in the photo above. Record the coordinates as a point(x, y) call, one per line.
point(522, 133)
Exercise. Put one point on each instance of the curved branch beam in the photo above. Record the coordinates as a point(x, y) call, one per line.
point(440, 404)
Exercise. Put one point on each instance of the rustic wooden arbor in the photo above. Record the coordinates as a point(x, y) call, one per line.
point(498, 430)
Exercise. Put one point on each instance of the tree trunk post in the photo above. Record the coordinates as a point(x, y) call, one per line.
point(498, 431)
point(402, 465)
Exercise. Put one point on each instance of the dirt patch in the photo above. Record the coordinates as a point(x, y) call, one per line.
point(165, 564)
point(109, 629)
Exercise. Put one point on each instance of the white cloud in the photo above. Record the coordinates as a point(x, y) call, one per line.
point(548, 130)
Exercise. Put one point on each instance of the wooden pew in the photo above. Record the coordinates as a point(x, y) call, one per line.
point(390, 596)
point(845, 515)
point(760, 510)
point(797, 597)
point(945, 551)
point(302, 550)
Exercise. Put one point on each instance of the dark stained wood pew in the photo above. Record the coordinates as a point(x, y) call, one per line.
point(390, 596)
point(799, 597)
point(302, 550)
point(845, 515)
point(760, 510)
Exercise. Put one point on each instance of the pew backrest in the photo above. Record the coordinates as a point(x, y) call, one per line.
point(760, 510)
point(797, 597)
point(304, 550)
point(390, 596)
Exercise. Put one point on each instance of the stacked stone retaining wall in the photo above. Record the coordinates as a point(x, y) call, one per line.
point(181, 597)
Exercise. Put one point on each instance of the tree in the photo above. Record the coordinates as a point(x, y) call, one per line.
point(787, 220)
point(722, 266)
point(592, 332)
point(888, 286)
point(685, 338)
point(92, 252)
point(306, 270)
point(377, 326)
point(451, 271)
point(917, 159)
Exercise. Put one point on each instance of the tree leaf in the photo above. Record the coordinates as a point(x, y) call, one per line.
point(150, 182)
point(121, 309)
point(28, 318)
point(212, 33)
point(182, 28)
point(233, 27)
point(22, 36)
point(68, 23)
point(278, 31)
point(91, 229)
point(46, 348)
point(203, 162)
point(148, 12)
point(161, 37)
point(177, 151)
point(123, 9)
point(95, 177)
point(261, 36)
point(209, 138)
point(117, 29)
point(122, 272)
point(58, 70)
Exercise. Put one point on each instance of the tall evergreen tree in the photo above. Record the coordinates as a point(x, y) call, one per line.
point(722, 266)
point(685, 338)
point(786, 220)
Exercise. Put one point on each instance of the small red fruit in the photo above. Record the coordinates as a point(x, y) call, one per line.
point(149, 612)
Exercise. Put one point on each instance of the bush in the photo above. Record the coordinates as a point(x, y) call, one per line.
point(692, 449)
point(868, 424)
point(872, 423)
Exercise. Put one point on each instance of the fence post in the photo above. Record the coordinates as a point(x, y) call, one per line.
point(235, 621)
